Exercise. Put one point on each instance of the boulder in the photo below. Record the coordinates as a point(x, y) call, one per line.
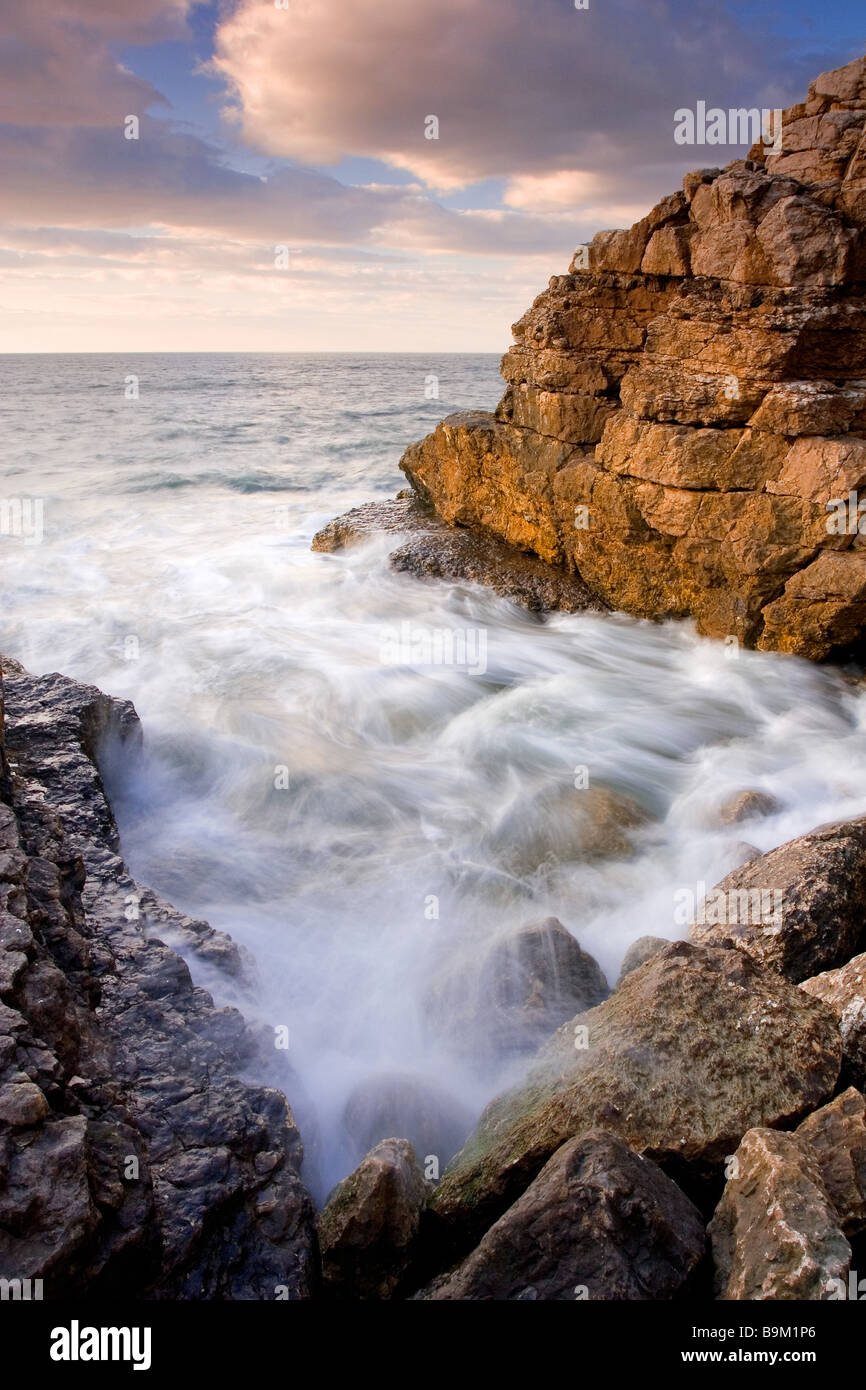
point(775, 1234)
point(529, 982)
point(694, 1048)
point(836, 1138)
point(639, 952)
point(844, 993)
point(805, 243)
point(369, 1224)
point(561, 824)
point(599, 1222)
point(800, 908)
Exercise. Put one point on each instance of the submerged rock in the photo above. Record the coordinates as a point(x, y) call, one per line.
point(599, 1222)
point(398, 1104)
point(561, 824)
point(775, 1234)
point(799, 909)
point(392, 516)
point(695, 1047)
point(748, 805)
point(528, 983)
point(369, 1223)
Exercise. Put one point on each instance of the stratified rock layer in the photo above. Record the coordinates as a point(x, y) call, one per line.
point(684, 405)
point(132, 1158)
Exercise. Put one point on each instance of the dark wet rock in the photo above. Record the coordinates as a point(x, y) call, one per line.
point(801, 908)
point(369, 1224)
point(775, 1234)
point(694, 1048)
point(458, 554)
point(748, 805)
point(599, 1222)
point(528, 983)
point(836, 1137)
point(131, 1155)
point(844, 993)
point(390, 516)
point(436, 550)
point(639, 952)
point(398, 1104)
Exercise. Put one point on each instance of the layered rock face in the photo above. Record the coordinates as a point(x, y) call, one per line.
point(682, 406)
point(131, 1155)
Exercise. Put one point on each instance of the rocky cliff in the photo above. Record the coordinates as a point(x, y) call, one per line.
point(132, 1158)
point(684, 424)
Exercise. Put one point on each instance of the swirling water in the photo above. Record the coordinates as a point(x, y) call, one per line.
point(359, 820)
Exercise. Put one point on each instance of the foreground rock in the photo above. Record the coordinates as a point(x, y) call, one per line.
point(775, 1234)
point(529, 982)
point(685, 410)
point(598, 1222)
point(131, 1155)
point(369, 1224)
point(695, 1047)
point(799, 909)
point(844, 993)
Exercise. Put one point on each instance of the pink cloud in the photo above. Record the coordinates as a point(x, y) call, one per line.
point(56, 66)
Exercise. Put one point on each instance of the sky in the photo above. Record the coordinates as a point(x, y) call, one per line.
point(351, 175)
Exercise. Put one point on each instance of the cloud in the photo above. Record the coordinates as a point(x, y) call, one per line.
point(97, 178)
point(519, 88)
point(56, 64)
point(568, 114)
